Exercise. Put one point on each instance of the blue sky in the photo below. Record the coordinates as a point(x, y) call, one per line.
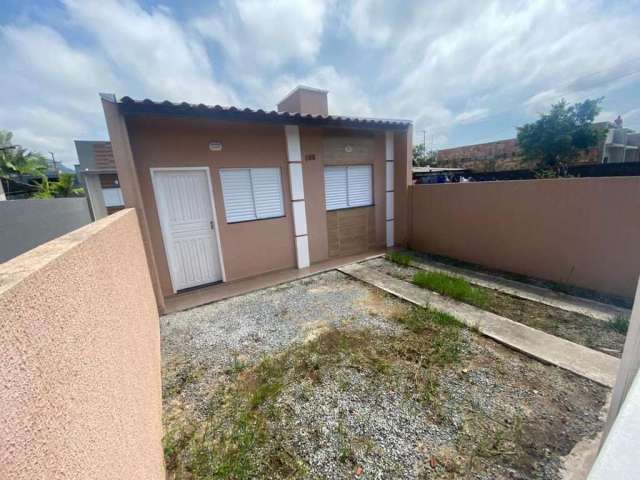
point(466, 72)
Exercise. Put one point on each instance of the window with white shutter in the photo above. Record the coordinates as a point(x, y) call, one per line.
point(251, 193)
point(112, 197)
point(348, 186)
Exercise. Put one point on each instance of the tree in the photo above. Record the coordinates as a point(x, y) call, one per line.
point(422, 157)
point(557, 137)
point(64, 187)
point(18, 161)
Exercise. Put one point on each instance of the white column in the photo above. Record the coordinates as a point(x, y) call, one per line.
point(294, 153)
point(389, 170)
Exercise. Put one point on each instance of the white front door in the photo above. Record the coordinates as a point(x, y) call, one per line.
point(189, 228)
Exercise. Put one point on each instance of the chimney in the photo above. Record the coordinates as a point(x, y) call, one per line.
point(305, 100)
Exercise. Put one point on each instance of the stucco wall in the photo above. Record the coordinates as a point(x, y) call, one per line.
point(25, 224)
point(249, 248)
point(80, 358)
point(578, 231)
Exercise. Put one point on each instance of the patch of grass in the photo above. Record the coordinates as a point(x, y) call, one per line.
point(451, 286)
point(620, 324)
point(443, 329)
point(419, 319)
point(427, 386)
point(401, 259)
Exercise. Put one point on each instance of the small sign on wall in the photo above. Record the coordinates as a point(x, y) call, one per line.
point(215, 146)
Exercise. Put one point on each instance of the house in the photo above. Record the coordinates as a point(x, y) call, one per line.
point(225, 193)
point(621, 144)
point(96, 170)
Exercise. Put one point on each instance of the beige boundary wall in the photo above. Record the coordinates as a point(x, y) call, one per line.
point(80, 358)
point(579, 231)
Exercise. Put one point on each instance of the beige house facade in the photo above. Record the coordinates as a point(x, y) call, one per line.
point(225, 194)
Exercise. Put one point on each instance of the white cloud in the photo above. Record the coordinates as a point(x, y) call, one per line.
point(445, 65)
point(346, 95)
point(152, 49)
point(471, 116)
point(265, 34)
point(49, 89)
point(499, 56)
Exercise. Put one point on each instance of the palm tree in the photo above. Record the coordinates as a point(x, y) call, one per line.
point(64, 187)
point(16, 161)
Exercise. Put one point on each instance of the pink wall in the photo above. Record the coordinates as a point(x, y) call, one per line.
point(80, 358)
point(578, 231)
point(164, 143)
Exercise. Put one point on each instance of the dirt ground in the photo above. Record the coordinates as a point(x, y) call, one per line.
point(328, 378)
point(581, 329)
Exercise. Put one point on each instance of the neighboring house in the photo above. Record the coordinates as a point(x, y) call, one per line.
point(226, 193)
point(620, 145)
point(97, 174)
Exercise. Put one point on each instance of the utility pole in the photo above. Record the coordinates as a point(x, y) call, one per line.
point(53, 161)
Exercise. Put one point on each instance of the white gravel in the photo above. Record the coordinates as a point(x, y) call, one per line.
point(398, 434)
point(252, 325)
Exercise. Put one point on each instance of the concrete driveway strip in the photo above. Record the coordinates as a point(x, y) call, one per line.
point(583, 361)
point(583, 306)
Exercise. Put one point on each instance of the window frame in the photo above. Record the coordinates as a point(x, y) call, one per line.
point(109, 204)
point(253, 197)
point(346, 167)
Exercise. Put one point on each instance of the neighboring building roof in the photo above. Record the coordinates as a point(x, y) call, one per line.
point(131, 107)
point(95, 156)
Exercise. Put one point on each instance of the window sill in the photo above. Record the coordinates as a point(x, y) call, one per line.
point(351, 208)
point(256, 220)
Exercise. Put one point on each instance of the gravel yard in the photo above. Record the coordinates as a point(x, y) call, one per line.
point(571, 326)
point(328, 378)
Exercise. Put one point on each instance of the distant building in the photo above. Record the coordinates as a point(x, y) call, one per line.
point(620, 145)
point(97, 173)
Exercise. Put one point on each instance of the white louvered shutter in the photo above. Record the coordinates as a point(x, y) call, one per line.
point(335, 187)
point(359, 185)
point(237, 195)
point(112, 197)
point(267, 192)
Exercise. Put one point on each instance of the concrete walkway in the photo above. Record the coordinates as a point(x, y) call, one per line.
point(580, 360)
point(590, 308)
point(220, 291)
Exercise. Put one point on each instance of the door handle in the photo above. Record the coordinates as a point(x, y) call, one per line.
point(211, 224)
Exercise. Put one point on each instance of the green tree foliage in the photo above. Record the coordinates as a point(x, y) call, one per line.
point(64, 187)
point(557, 137)
point(16, 161)
point(422, 157)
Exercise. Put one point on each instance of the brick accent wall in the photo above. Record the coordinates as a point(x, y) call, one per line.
point(104, 156)
point(497, 156)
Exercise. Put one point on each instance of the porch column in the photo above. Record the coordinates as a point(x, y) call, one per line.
point(294, 153)
point(390, 167)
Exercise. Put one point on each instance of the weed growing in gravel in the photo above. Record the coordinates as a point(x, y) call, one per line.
point(481, 440)
point(418, 319)
point(245, 433)
point(181, 378)
point(401, 259)
point(620, 324)
point(451, 286)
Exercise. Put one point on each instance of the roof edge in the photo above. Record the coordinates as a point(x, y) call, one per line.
point(131, 107)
